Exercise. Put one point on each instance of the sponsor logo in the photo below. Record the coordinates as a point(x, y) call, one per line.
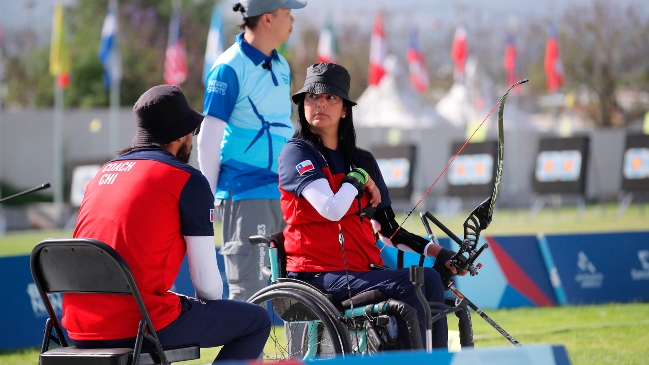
point(588, 277)
point(642, 274)
point(216, 87)
point(287, 80)
point(304, 166)
point(261, 230)
point(37, 303)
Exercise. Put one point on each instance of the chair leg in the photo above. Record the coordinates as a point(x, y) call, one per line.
point(137, 349)
point(141, 334)
point(47, 333)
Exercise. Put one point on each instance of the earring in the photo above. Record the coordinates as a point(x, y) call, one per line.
point(344, 115)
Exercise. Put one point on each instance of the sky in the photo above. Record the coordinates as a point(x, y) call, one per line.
point(37, 13)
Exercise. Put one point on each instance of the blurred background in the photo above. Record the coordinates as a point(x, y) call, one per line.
point(426, 74)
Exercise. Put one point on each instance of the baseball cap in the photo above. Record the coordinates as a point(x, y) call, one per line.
point(258, 7)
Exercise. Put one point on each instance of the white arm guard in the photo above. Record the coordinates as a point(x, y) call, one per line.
point(203, 268)
point(329, 205)
point(209, 149)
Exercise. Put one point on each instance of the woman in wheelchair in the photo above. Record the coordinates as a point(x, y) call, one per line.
point(328, 198)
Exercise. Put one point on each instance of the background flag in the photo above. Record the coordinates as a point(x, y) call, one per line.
point(459, 51)
point(109, 53)
point(327, 46)
point(510, 59)
point(511, 54)
point(59, 57)
point(214, 42)
point(377, 52)
point(553, 68)
point(176, 54)
point(2, 73)
point(416, 64)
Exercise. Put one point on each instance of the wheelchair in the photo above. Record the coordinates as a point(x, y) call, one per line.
point(315, 325)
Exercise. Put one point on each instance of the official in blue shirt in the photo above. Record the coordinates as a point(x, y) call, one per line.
point(247, 122)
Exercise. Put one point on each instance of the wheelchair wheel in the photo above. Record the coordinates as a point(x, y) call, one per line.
point(311, 328)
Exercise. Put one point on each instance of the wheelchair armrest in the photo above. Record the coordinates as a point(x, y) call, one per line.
point(259, 240)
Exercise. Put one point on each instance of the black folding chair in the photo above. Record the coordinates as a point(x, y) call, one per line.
point(90, 266)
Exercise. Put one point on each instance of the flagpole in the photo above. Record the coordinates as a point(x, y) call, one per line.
point(3, 221)
point(115, 81)
point(1, 98)
point(114, 117)
point(58, 153)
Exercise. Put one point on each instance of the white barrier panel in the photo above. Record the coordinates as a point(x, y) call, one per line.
point(510, 355)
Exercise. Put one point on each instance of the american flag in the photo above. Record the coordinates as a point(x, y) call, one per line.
point(176, 55)
point(417, 66)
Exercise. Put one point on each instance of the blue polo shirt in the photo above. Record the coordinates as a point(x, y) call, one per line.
point(251, 93)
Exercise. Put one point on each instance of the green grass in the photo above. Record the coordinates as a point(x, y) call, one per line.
point(611, 334)
point(594, 218)
point(22, 242)
point(592, 334)
point(602, 334)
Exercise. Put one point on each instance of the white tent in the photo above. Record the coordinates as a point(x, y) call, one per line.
point(394, 103)
point(471, 100)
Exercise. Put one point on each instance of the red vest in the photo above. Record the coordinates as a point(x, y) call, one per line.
point(312, 243)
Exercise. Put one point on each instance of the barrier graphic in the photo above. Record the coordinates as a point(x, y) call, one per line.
point(512, 274)
point(600, 268)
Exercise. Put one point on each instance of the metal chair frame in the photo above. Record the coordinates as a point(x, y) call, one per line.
point(82, 265)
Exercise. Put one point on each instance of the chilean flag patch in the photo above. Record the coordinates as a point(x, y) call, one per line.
point(212, 215)
point(304, 166)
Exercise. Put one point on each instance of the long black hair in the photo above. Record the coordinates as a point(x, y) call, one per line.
point(346, 134)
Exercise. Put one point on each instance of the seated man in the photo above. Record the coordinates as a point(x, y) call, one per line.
point(321, 177)
point(152, 208)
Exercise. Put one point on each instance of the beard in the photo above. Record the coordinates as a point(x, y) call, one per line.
point(185, 151)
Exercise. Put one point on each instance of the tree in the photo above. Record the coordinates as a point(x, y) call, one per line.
point(143, 39)
point(604, 47)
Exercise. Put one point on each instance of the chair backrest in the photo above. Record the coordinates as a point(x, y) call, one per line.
point(82, 265)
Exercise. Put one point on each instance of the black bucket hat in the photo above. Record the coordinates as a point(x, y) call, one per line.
point(325, 78)
point(163, 115)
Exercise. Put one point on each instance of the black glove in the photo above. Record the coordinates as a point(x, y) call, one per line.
point(385, 217)
point(440, 265)
point(358, 178)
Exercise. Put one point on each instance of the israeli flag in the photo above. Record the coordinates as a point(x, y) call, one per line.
point(214, 43)
point(109, 54)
